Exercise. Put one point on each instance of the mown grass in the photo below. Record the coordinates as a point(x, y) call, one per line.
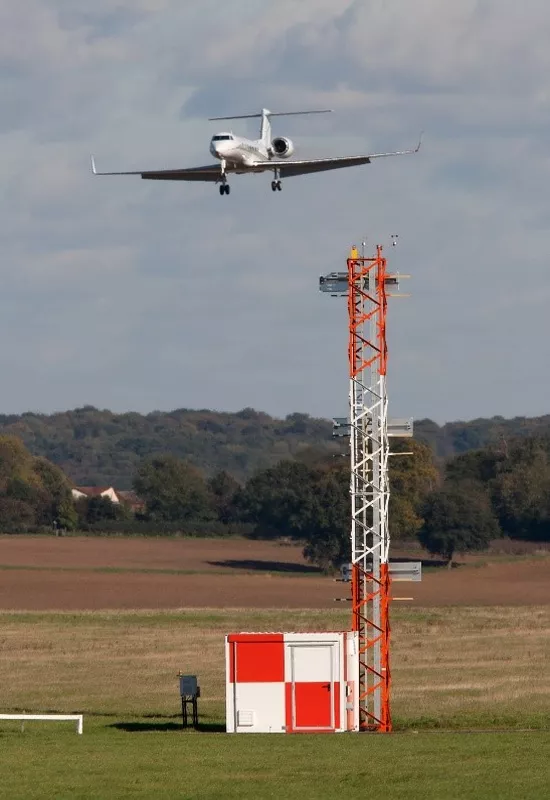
point(108, 763)
point(452, 668)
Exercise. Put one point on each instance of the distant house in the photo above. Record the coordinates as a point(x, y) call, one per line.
point(95, 491)
point(131, 500)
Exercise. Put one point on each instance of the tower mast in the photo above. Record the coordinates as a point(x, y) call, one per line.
point(369, 487)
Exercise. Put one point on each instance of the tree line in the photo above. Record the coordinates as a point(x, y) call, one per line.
point(475, 497)
point(96, 447)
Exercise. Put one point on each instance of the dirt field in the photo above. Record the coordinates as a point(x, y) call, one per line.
point(42, 573)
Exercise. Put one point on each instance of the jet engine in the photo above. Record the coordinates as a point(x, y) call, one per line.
point(282, 147)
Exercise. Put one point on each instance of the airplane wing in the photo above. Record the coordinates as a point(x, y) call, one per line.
point(289, 168)
point(211, 173)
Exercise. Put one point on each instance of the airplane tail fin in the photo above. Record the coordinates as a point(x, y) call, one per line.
point(265, 114)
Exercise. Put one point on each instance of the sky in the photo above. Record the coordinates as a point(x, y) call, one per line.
point(135, 295)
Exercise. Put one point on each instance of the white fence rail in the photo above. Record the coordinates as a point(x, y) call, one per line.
point(78, 718)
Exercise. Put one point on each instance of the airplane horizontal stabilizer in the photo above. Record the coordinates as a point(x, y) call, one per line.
point(267, 113)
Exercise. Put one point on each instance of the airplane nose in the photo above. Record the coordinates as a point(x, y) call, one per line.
point(220, 149)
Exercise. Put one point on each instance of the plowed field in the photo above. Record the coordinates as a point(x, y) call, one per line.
point(41, 573)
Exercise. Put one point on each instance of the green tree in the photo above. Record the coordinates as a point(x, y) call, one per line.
point(327, 533)
point(320, 458)
point(279, 501)
point(224, 490)
point(411, 479)
point(59, 505)
point(521, 492)
point(309, 499)
point(15, 515)
point(20, 489)
point(31, 489)
point(480, 466)
point(173, 490)
point(98, 509)
point(66, 515)
point(16, 466)
point(52, 478)
point(457, 518)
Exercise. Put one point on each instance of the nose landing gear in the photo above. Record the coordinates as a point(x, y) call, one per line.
point(224, 187)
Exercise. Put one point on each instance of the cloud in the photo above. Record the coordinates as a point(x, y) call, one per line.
point(128, 294)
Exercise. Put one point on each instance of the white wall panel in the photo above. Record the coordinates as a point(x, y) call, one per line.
point(260, 707)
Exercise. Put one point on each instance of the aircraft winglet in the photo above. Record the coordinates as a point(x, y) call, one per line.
point(92, 159)
point(417, 148)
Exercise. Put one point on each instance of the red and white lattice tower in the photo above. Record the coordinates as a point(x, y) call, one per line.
point(368, 404)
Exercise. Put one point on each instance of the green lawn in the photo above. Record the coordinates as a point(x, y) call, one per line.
point(109, 763)
point(476, 668)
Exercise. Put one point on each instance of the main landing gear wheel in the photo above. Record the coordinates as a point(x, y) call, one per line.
point(276, 186)
point(225, 188)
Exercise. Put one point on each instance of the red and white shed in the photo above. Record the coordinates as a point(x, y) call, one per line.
point(292, 682)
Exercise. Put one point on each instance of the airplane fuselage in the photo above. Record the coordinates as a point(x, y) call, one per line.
point(239, 153)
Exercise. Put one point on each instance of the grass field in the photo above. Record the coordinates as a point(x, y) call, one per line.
point(481, 669)
point(106, 763)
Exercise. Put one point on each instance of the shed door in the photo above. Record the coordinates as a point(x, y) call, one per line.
point(312, 688)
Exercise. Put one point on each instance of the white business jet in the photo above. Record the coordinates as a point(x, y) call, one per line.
point(243, 156)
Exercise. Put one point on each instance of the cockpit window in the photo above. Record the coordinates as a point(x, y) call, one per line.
point(223, 138)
